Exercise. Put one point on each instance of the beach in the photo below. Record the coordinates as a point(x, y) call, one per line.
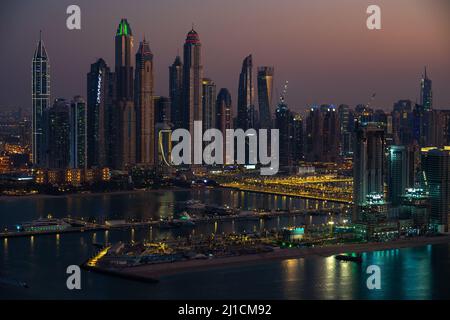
point(156, 271)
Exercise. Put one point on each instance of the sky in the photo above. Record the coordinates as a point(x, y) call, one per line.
point(322, 47)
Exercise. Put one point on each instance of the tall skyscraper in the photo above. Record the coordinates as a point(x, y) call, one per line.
point(368, 165)
point(323, 134)
point(435, 164)
point(124, 118)
point(208, 104)
point(41, 102)
point(297, 140)
point(175, 91)
point(283, 122)
point(224, 112)
point(100, 96)
point(78, 133)
point(59, 134)
point(145, 111)
point(346, 133)
point(224, 116)
point(426, 93)
point(398, 175)
point(245, 116)
point(192, 81)
point(265, 94)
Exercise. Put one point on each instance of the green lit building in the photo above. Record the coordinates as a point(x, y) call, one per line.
point(416, 207)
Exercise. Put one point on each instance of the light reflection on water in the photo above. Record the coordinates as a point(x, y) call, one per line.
point(412, 273)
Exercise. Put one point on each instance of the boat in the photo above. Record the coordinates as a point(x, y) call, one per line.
point(43, 225)
point(349, 257)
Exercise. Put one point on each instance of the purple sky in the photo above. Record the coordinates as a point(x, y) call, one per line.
point(322, 47)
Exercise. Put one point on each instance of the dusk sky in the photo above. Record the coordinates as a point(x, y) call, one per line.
point(322, 47)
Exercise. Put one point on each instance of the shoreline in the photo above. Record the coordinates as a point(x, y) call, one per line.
point(87, 194)
point(156, 271)
point(292, 195)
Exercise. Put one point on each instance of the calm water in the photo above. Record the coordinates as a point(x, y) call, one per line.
point(414, 273)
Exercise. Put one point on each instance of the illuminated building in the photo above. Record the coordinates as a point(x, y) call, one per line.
point(145, 110)
point(245, 107)
point(265, 93)
point(345, 129)
point(224, 115)
point(192, 81)
point(368, 164)
point(208, 104)
point(283, 121)
point(416, 206)
point(398, 174)
point(41, 102)
point(435, 164)
point(124, 118)
point(100, 94)
point(426, 93)
point(5, 164)
point(175, 90)
point(78, 133)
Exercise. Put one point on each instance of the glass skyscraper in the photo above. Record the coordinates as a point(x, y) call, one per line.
point(41, 102)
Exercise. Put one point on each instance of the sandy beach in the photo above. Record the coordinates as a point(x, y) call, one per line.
point(159, 270)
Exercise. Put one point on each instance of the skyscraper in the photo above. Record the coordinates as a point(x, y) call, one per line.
point(208, 104)
point(398, 173)
point(426, 93)
point(192, 81)
point(100, 96)
point(331, 133)
point(283, 122)
point(245, 116)
point(162, 109)
point(124, 118)
point(41, 102)
point(265, 93)
point(368, 165)
point(59, 134)
point(435, 165)
point(78, 133)
point(224, 117)
point(145, 111)
point(175, 91)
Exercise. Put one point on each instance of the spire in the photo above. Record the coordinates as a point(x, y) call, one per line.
point(40, 51)
point(124, 28)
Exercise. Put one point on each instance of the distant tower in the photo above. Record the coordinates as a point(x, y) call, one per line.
point(41, 102)
point(125, 114)
point(78, 133)
point(224, 116)
point(175, 90)
point(145, 111)
point(426, 93)
point(192, 81)
point(265, 93)
point(246, 96)
point(283, 122)
point(208, 104)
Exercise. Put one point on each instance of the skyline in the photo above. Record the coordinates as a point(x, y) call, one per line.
point(320, 79)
